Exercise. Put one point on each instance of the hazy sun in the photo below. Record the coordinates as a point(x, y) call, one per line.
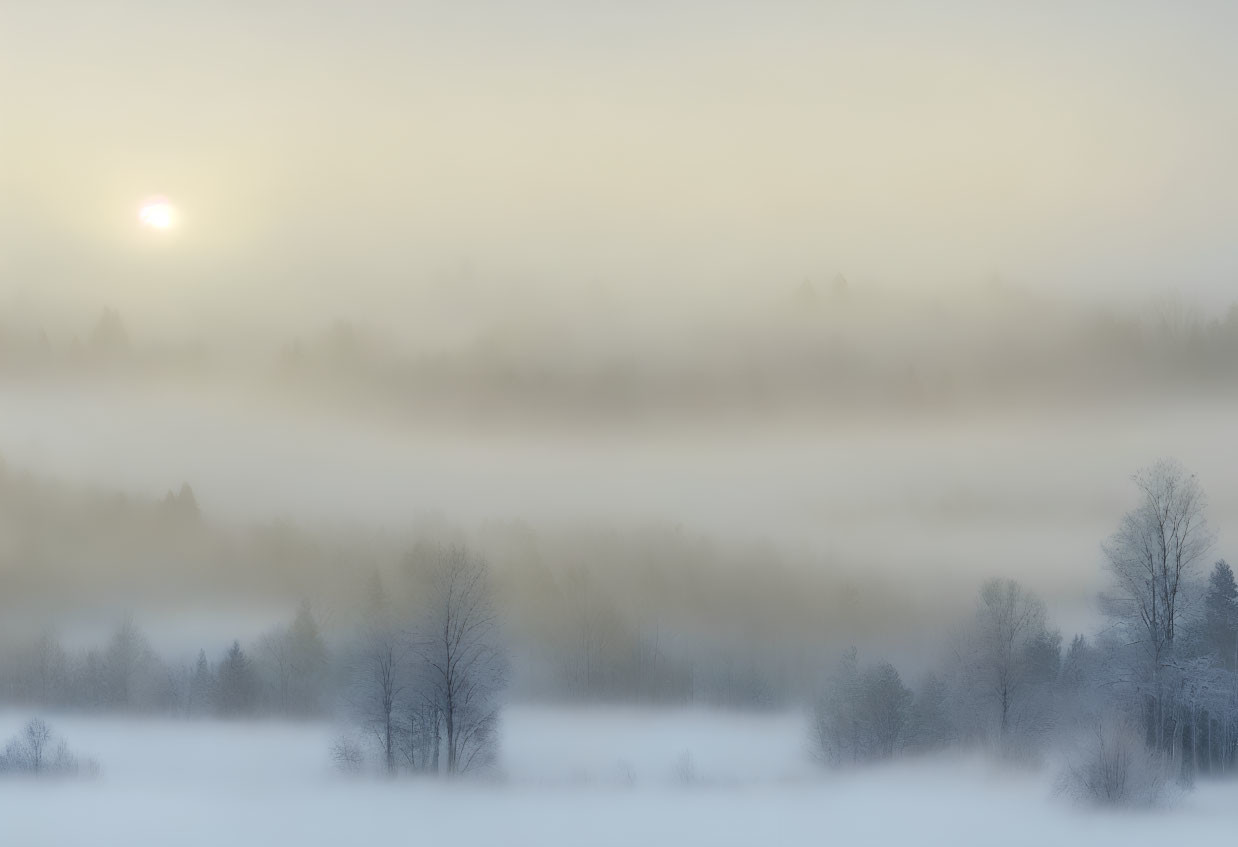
point(157, 213)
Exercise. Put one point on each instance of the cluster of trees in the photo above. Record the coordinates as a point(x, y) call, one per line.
point(1167, 665)
point(427, 671)
point(420, 679)
point(286, 673)
point(422, 662)
point(650, 613)
point(1004, 684)
point(1178, 659)
point(31, 351)
point(37, 751)
point(865, 715)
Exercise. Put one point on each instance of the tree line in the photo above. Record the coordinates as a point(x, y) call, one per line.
point(848, 351)
point(286, 672)
point(1164, 669)
point(420, 673)
point(419, 679)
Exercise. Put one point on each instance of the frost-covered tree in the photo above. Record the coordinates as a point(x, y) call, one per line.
point(1113, 768)
point(886, 705)
point(37, 751)
point(1010, 649)
point(378, 686)
point(33, 745)
point(929, 726)
point(420, 729)
point(236, 687)
point(1221, 615)
point(838, 734)
point(1152, 557)
point(863, 714)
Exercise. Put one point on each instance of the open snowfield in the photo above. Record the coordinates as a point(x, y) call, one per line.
point(604, 777)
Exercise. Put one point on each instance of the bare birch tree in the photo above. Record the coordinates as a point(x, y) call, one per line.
point(1157, 548)
point(378, 686)
point(463, 662)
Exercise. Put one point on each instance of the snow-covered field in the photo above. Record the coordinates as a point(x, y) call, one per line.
point(597, 777)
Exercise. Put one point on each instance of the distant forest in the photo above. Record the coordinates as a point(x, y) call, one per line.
point(828, 351)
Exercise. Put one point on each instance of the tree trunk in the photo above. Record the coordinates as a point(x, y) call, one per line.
point(390, 748)
point(436, 741)
point(451, 740)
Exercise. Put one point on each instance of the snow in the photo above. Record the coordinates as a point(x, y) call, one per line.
point(571, 777)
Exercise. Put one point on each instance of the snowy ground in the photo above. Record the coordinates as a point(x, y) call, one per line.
point(602, 777)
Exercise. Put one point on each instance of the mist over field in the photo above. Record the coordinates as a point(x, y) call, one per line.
point(589, 423)
point(841, 460)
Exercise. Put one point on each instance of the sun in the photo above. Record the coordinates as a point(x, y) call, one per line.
point(157, 213)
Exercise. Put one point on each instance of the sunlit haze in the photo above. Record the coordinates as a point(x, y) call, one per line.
point(156, 214)
point(571, 423)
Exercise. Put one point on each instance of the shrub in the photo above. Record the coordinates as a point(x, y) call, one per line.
point(1116, 769)
point(347, 755)
point(37, 751)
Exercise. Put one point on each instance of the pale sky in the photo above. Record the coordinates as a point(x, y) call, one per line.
point(338, 155)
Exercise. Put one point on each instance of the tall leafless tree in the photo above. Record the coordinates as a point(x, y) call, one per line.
point(1157, 548)
point(1010, 620)
point(36, 737)
point(463, 662)
point(378, 686)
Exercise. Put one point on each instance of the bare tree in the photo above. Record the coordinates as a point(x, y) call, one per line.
point(378, 686)
point(1155, 551)
point(37, 751)
point(36, 739)
point(347, 755)
point(1114, 768)
point(463, 663)
point(837, 723)
point(1011, 623)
